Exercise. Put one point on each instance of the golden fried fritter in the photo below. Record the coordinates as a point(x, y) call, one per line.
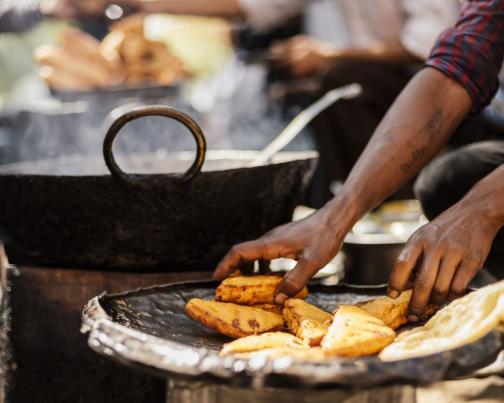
point(233, 320)
point(273, 308)
point(306, 321)
point(354, 332)
point(261, 342)
point(392, 311)
point(297, 354)
point(251, 290)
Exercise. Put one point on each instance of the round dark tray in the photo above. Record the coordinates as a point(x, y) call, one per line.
point(148, 329)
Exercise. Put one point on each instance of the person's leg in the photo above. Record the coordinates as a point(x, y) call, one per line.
point(450, 176)
point(343, 130)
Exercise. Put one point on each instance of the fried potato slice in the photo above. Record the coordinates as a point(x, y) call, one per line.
point(306, 321)
point(297, 354)
point(251, 290)
point(261, 342)
point(461, 322)
point(354, 332)
point(233, 320)
point(393, 312)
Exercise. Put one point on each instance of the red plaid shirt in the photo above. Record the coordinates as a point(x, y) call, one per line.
point(473, 50)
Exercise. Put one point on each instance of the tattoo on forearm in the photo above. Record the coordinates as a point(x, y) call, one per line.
point(433, 127)
point(415, 156)
point(434, 124)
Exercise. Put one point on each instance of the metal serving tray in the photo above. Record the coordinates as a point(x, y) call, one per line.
point(148, 329)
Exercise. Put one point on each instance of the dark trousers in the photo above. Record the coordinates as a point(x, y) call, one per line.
point(450, 176)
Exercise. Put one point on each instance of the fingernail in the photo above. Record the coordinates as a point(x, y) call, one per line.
point(281, 298)
point(393, 294)
point(413, 318)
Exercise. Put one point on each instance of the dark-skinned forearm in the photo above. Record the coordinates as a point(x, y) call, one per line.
point(417, 125)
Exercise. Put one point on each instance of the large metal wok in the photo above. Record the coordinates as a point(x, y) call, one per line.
point(70, 212)
point(148, 329)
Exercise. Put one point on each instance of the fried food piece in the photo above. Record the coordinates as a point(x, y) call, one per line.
point(393, 312)
point(233, 320)
point(306, 321)
point(354, 332)
point(463, 321)
point(261, 342)
point(297, 354)
point(274, 308)
point(251, 290)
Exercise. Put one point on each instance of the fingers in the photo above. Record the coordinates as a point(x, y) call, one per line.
point(424, 283)
point(405, 263)
point(465, 273)
point(295, 280)
point(444, 278)
point(241, 254)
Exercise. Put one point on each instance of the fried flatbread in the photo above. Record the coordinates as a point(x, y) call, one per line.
point(251, 290)
point(354, 332)
point(297, 354)
point(233, 320)
point(261, 342)
point(393, 312)
point(461, 322)
point(306, 321)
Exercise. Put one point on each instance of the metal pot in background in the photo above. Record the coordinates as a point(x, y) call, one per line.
point(370, 261)
point(372, 247)
point(78, 216)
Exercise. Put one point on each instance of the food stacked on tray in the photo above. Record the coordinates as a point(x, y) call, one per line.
point(244, 309)
point(125, 57)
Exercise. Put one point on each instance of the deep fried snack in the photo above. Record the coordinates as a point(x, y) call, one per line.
point(354, 332)
point(274, 308)
point(297, 354)
point(261, 342)
point(461, 322)
point(233, 320)
point(251, 290)
point(306, 321)
point(393, 312)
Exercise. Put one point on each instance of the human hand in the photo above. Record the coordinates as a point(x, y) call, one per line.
point(303, 55)
point(312, 241)
point(443, 256)
point(76, 63)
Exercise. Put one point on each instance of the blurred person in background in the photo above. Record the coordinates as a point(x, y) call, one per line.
point(377, 43)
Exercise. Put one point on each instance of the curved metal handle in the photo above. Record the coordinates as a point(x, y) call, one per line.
point(154, 110)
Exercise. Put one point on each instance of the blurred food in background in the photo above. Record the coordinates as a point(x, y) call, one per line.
point(79, 62)
point(203, 44)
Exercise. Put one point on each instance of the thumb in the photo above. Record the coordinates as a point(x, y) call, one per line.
point(295, 280)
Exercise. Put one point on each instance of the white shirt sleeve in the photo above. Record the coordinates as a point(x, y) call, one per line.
point(264, 14)
point(425, 20)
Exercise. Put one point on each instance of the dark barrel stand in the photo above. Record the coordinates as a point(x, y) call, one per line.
point(50, 360)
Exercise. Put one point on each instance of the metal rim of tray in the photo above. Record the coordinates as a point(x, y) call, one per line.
point(161, 357)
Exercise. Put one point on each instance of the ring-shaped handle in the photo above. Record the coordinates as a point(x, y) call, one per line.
point(154, 110)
